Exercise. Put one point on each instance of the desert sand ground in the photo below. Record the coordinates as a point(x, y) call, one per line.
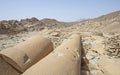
point(96, 59)
point(100, 39)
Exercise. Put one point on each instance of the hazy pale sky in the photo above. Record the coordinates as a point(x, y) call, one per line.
point(62, 10)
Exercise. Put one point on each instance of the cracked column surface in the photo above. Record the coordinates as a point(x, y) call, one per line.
point(64, 60)
point(27, 53)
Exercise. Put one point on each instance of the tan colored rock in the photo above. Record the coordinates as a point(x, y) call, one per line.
point(27, 53)
point(97, 44)
point(7, 69)
point(64, 60)
point(109, 66)
point(55, 33)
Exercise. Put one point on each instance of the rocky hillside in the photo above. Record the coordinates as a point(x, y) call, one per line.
point(105, 23)
point(11, 26)
point(110, 22)
point(29, 24)
point(100, 51)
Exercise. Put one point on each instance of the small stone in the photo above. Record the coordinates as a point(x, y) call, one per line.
point(56, 34)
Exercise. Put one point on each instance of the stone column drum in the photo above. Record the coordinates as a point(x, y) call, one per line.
point(64, 60)
point(27, 53)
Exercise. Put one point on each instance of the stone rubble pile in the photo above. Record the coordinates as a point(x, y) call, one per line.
point(113, 46)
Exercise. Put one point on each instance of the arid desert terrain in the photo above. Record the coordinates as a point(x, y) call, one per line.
point(100, 38)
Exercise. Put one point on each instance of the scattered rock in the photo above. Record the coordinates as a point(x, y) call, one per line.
point(113, 45)
point(56, 34)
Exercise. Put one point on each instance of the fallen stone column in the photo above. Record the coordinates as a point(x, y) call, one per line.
point(7, 69)
point(64, 60)
point(27, 53)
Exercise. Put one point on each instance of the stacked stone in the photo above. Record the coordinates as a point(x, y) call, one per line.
point(113, 46)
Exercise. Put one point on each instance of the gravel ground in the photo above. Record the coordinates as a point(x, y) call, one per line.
point(93, 48)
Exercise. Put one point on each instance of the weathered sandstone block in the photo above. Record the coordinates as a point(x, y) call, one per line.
point(7, 69)
point(64, 60)
point(27, 53)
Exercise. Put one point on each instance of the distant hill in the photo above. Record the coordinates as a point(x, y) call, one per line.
point(105, 23)
point(110, 22)
point(29, 24)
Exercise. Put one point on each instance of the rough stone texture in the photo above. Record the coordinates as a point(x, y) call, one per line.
point(113, 46)
point(92, 49)
point(10, 26)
